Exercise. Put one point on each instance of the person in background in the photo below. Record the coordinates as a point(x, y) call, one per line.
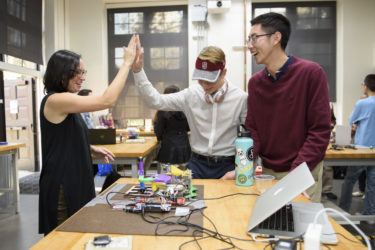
point(171, 129)
point(86, 115)
point(288, 111)
point(364, 116)
point(214, 109)
point(362, 177)
point(66, 182)
point(88, 121)
point(327, 184)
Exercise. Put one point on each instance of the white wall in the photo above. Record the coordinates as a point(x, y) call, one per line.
point(225, 30)
point(356, 52)
point(85, 32)
point(88, 37)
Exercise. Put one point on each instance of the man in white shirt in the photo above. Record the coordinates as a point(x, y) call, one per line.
point(214, 109)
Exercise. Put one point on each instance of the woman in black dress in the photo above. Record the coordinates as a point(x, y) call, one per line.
point(171, 129)
point(66, 182)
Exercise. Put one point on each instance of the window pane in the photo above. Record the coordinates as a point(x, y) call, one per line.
point(14, 60)
point(173, 16)
point(29, 65)
point(121, 18)
point(173, 52)
point(136, 17)
point(14, 37)
point(157, 63)
point(166, 58)
point(128, 23)
point(313, 18)
point(167, 22)
point(135, 28)
point(173, 27)
point(17, 9)
point(156, 52)
point(121, 29)
point(172, 63)
point(260, 11)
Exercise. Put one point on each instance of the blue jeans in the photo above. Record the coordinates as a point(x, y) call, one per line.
point(362, 182)
point(208, 170)
point(352, 174)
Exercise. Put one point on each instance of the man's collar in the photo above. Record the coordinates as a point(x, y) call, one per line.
point(281, 71)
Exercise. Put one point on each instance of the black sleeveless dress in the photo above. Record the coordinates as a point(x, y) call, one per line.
point(66, 160)
point(171, 129)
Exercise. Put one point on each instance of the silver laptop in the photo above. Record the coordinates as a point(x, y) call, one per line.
point(300, 214)
point(343, 135)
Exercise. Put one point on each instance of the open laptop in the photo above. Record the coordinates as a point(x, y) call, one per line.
point(279, 195)
point(102, 136)
point(343, 135)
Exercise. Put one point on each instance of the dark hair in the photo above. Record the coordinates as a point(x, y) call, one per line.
point(171, 89)
point(272, 22)
point(84, 92)
point(61, 68)
point(168, 90)
point(370, 82)
point(333, 118)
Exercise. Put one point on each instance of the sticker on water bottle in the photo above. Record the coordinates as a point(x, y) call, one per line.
point(241, 156)
point(249, 154)
point(242, 178)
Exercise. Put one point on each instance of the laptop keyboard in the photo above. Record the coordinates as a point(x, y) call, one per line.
point(281, 220)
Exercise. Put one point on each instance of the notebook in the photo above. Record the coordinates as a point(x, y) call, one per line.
point(279, 195)
point(102, 136)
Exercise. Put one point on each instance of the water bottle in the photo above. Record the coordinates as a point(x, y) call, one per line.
point(244, 157)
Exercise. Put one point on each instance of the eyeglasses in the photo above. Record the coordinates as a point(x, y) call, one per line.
point(254, 37)
point(80, 72)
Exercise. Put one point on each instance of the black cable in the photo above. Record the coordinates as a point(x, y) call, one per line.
point(112, 192)
point(346, 238)
point(221, 197)
point(325, 245)
point(269, 244)
point(184, 223)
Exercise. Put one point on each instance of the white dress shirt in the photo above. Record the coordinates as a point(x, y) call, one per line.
point(213, 126)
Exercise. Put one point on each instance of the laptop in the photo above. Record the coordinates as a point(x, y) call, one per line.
point(100, 136)
point(300, 214)
point(343, 135)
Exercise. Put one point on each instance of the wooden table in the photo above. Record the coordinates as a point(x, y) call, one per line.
point(349, 157)
point(9, 187)
point(230, 216)
point(129, 153)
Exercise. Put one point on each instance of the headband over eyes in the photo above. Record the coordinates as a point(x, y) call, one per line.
point(207, 71)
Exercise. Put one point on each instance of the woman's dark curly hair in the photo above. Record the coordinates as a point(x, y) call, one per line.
point(61, 68)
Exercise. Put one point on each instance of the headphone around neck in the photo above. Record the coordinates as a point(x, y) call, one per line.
point(218, 96)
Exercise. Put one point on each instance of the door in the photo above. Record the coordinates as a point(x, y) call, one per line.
point(19, 119)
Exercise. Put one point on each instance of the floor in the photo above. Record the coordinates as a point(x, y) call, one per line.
point(20, 231)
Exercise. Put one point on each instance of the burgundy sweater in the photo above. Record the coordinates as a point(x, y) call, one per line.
point(289, 119)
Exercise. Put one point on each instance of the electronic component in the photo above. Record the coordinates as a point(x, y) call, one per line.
point(148, 207)
point(284, 244)
point(102, 240)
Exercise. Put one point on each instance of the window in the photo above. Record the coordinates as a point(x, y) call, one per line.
point(163, 34)
point(313, 34)
point(21, 29)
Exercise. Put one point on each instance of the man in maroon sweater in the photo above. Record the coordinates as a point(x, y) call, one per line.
point(288, 104)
